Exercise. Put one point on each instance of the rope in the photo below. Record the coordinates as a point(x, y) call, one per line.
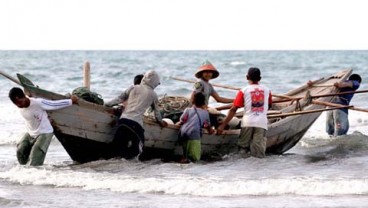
point(171, 107)
point(173, 104)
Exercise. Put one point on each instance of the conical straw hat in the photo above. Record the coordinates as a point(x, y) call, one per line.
point(207, 66)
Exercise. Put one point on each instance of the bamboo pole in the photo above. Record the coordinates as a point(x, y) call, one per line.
point(323, 95)
point(216, 85)
point(10, 77)
point(323, 85)
point(226, 87)
point(86, 75)
point(269, 112)
point(338, 105)
point(306, 112)
point(285, 97)
point(334, 106)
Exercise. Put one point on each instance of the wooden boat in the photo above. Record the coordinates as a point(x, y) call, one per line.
point(87, 130)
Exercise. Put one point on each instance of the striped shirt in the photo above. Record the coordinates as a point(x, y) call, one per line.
point(35, 114)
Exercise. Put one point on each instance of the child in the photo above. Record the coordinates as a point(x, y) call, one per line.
point(192, 121)
point(256, 99)
point(205, 73)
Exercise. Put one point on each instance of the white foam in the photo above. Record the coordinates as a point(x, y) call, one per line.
point(12, 124)
point(237, 63)
point(358, 122)
point(182, 183)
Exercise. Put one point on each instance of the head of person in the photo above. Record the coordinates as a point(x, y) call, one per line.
point(254, 74)
point(18, 97)
point(137, 79)
point(199, 99)
point(151, 79)
point(207, 71)
point(355, 77)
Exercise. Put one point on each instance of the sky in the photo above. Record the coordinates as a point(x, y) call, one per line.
point(183, 25)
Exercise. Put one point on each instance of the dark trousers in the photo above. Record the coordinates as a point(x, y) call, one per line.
point(136, 127)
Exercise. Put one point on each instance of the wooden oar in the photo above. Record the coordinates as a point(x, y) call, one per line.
point(10, 77)
point(305, 112)
point(338, 105)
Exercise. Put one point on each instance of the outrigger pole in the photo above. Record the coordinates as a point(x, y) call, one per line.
point(285, 97)
point(10, 77)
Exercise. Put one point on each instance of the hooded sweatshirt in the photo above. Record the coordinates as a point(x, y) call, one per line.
point(141, 97)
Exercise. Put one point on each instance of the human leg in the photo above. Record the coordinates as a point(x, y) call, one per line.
point(184, 158)
point(24, 147)
point(213, 120)
point(193, 150)
point(341, 122)
point(185, 144)
point(39, 149)
point(330, 124)
point(258, 143)
point(129, 139)
point(245, 137)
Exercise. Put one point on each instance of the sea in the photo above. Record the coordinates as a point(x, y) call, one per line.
point(318, 172)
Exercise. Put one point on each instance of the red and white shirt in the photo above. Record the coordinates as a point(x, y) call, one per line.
point(255, 99)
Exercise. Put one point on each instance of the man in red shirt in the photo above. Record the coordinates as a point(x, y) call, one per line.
point(255, 99)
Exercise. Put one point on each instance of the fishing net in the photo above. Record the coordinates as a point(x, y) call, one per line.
point(171, 107)
point(86, 94)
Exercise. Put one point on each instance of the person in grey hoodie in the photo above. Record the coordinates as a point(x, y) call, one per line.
point(140, 98)
point(123, 97)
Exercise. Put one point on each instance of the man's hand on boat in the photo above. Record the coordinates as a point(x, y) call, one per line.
point(74, 99)
point(162, 123)
point(310, 83)
point(211, 131)
point(346, 84)
point(220, 129)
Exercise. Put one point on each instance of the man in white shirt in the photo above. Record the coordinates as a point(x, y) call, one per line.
point(33, 146)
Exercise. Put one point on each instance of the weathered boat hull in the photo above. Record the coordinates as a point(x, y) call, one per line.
point(87, 130)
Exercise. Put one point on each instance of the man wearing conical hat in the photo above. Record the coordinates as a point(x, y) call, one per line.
point(205, 73)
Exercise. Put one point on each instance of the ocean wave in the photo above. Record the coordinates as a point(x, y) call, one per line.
point(238, 63)
point(344, 144)
point(127, 177)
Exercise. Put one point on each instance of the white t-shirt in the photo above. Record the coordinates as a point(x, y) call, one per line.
point(255, 99)
point(35, 114)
